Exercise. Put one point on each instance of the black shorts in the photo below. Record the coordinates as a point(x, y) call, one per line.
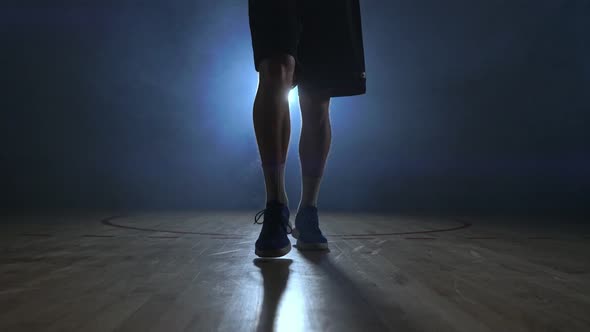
point(324, 37)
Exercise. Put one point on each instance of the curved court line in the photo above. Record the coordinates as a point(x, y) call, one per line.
point(108, 222)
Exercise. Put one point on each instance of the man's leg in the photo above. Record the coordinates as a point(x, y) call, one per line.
point(272, 124)
point(314, 144)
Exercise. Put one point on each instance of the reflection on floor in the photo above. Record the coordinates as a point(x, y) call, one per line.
point(196, 271)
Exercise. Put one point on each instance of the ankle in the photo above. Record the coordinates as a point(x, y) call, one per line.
point(277, 201)
point(280, 199)
point(307, 205)
point(284, 200)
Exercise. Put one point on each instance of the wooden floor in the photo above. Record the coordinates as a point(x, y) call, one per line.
point(196, 271)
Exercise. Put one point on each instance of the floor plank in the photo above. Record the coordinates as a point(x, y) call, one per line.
point(196, 270)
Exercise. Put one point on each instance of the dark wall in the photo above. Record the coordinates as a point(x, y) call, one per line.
point(471, 106)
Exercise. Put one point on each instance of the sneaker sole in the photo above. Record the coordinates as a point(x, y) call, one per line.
point(308, 246)
point(311, 246)
point(274, 252)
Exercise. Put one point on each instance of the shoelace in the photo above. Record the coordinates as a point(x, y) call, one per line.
point(259, 215)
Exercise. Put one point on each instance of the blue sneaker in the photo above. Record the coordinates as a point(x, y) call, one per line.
point(273, 240)
point(307, 230)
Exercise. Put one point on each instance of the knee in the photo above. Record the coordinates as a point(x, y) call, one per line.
point(315, 107)
point(276, 72)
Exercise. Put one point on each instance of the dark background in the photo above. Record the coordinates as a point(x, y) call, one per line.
point(472, 106)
